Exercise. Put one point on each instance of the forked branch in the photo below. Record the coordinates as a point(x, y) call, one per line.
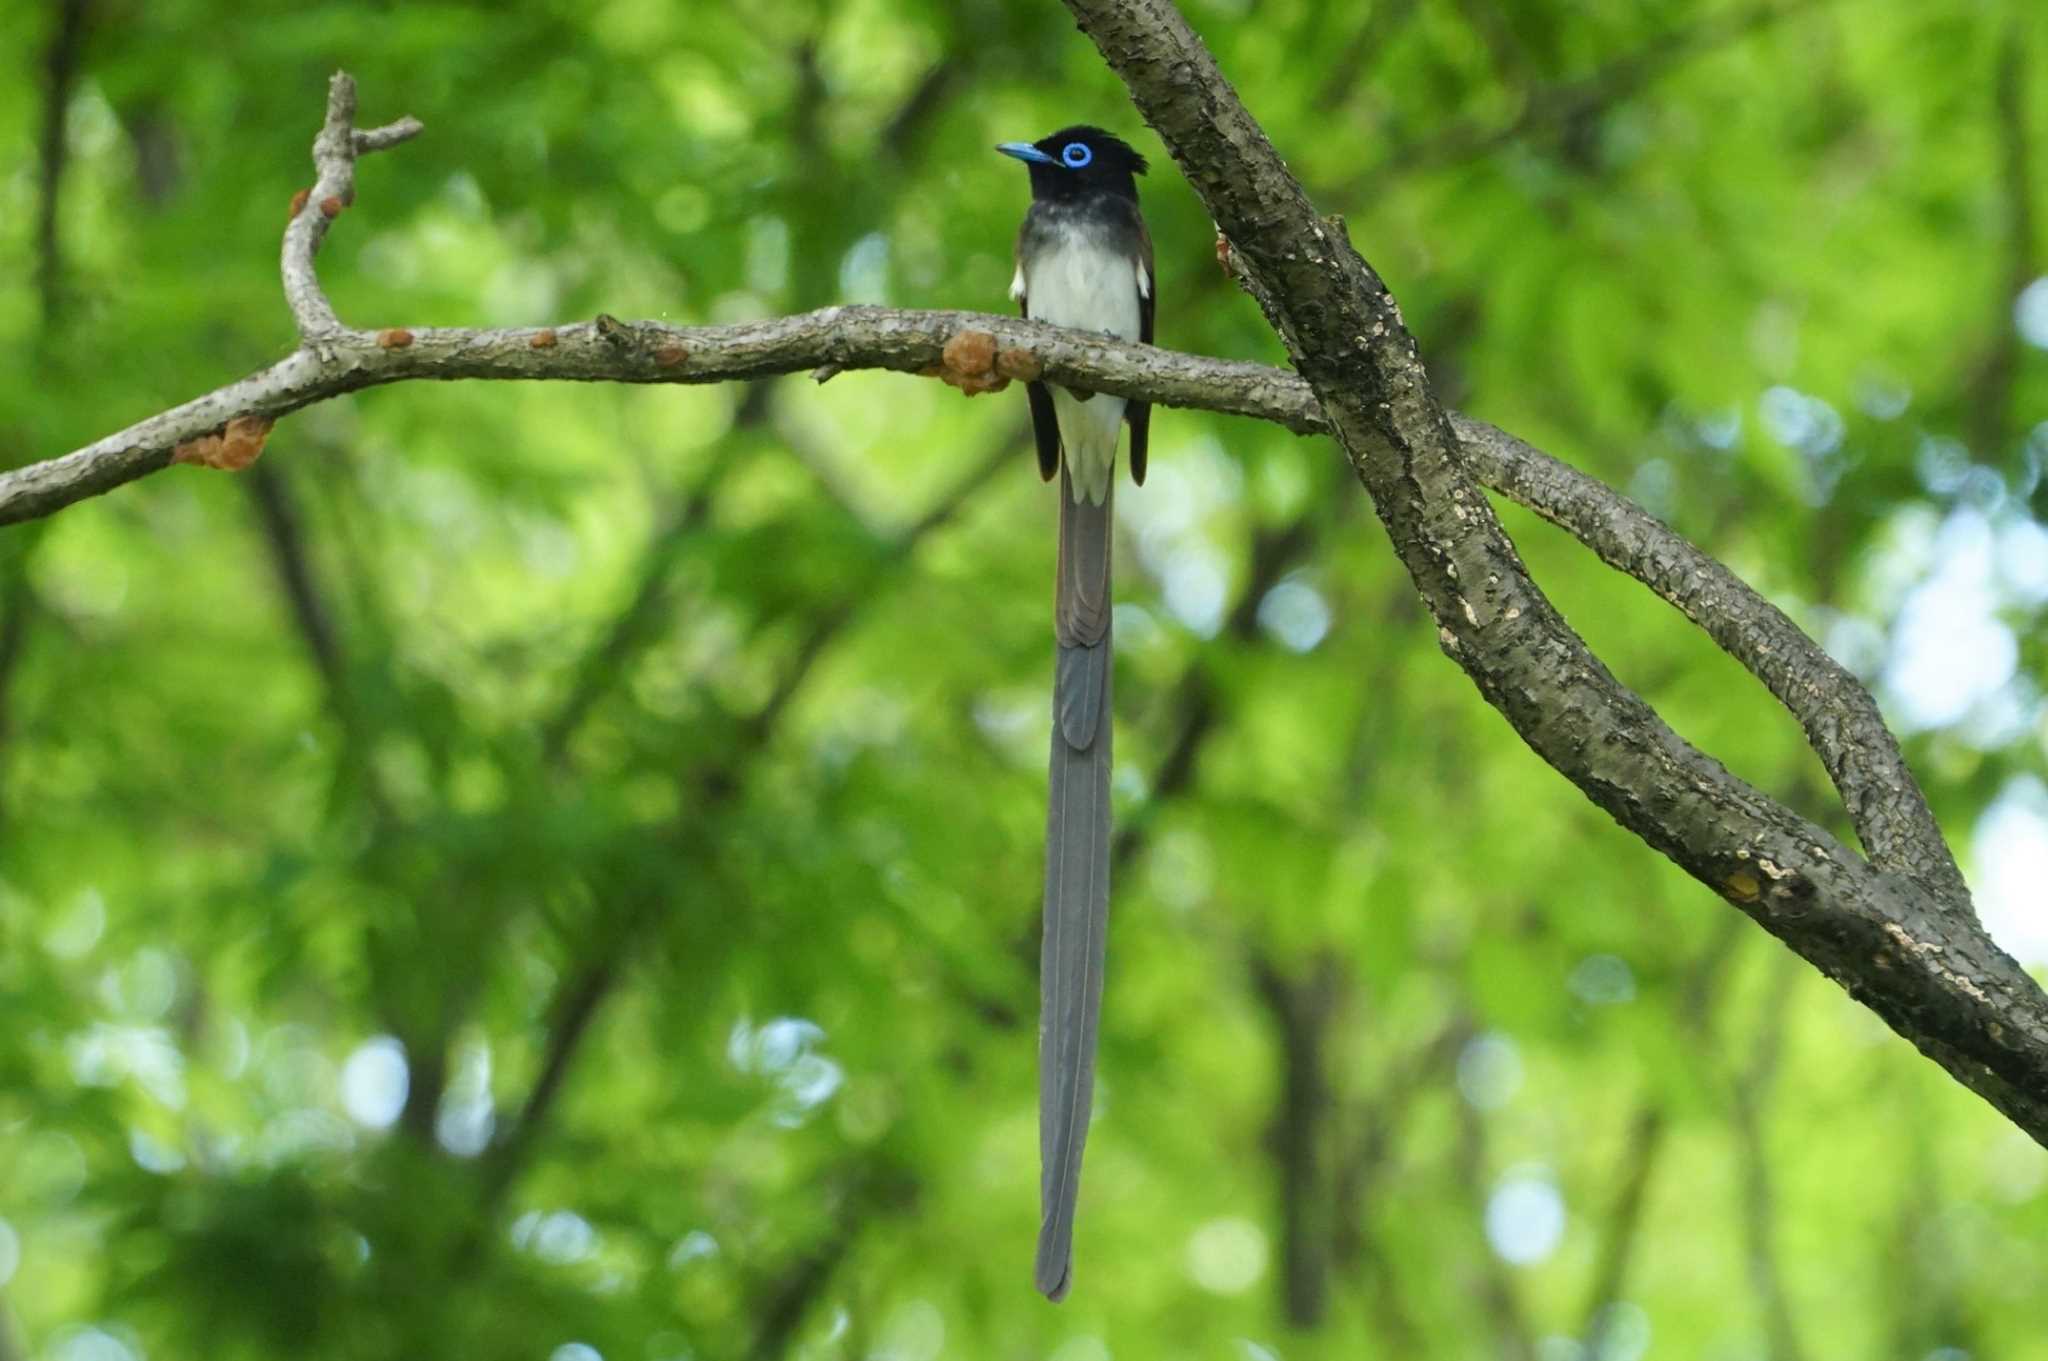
point(1897, 931)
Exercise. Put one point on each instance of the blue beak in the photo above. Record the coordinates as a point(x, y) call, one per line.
point(1024, 151)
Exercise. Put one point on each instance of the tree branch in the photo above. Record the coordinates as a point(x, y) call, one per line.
point(1915, 957)
point(1842, 723)
point(60, 73)
point(716, 780)
point(18, 605)
point(1302, 1009)
point(1897, 931)
point(1990, 387)
point(601, 665)
point(869, 1191)
point(1751, 1094)
point(1492, 1288)
point(1567, 104)
point(10, 1345)
point(1620, 1235)
point(574, 1007)
point(1361, 51)
point(1366, 1160)
point(835, 338)
point(334, 188)
point(284, 532)
point(1885, 803)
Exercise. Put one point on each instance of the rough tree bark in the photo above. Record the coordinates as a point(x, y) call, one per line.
point(1896, 929)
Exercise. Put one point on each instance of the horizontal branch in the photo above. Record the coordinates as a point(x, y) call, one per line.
point(834, 339)
point(1847, 731)
point(1859, 752)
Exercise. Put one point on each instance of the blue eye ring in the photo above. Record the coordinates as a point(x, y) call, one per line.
point(1076, 155)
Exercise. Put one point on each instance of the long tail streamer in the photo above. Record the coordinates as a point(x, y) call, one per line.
point(1076, 876)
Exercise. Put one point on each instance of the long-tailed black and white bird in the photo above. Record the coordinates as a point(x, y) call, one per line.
point(1084, 260)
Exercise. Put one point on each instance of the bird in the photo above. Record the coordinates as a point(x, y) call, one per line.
point(1084, 260)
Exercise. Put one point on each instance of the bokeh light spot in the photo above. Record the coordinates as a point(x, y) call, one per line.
point(464, 1123)
point(1624, 1332)
point(559, 1237)
point(1489, 1071)
point(1525, 1218)
point(696, 1245)
point(1294, 612)
point(2010, 847)
point(1603, 981)
point(1949, 650)
point(1227, 1256)
point(2030, 313)
point(1195, 590)
point(91, 1344)
point(374, 1082)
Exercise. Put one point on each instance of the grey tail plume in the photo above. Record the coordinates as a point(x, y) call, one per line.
point(1076, 876)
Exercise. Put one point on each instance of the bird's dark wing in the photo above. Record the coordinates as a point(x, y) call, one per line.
point(1076, 874)
point(1045, 426)
point(1139, 414)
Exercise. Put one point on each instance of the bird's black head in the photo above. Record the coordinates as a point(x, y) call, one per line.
point(1079, 160)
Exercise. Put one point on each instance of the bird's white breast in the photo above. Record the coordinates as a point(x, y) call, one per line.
point(1080, 281)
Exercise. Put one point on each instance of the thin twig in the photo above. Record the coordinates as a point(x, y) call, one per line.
point(1361, 51)
point(1698, 995)
point(1569, 103)
point(60, 73)
point(905, 127)
point(285, 533)
point(1618, 1235)
point(576, 1007)
point(1990, 389)
point(1366, 1159)
point(1302, 1009)
point(18, 604)
point(718, 779)
point(334, 188)
point(600, 667)
point(10, 1342)
point(782, 1302)
point(1752, 1091)
point(1491, 1284)
point(1197, 705)
point(828, 625)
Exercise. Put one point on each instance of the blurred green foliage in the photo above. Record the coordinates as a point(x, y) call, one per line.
point(552, 872)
